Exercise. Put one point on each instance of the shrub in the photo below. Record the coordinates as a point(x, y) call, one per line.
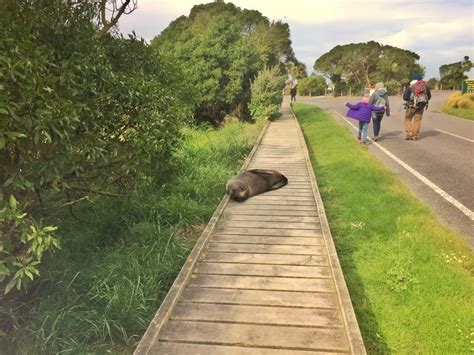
point(73, 122)
point(459, 100)
point(267, 93)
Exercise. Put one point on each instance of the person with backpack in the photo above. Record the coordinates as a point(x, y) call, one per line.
point(362, 112)
point(416, 97)
point(379, 98)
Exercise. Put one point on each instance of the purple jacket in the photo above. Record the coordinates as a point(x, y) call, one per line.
point(361, 111)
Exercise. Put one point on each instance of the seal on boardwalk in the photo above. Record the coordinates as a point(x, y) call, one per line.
point(253, 182)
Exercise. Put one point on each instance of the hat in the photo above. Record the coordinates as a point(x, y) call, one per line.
point(380, 85)
point(365, 100)
point(417, 76)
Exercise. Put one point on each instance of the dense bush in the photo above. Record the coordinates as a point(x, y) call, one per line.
point(312, 86)
point(221, 48)
point(79, 115)
point(267, 93)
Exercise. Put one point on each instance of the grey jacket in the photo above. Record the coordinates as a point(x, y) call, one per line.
point(380, 93)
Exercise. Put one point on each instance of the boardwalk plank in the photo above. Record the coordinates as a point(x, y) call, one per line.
point(171, 348)
point(256, 335)
point(263, 270)
point(265, 239)
point(267, 249)
point(259, 297)
point(262, 283)
point(246, 314)
point(269, 259)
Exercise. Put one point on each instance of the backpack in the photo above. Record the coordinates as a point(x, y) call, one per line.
point(380, 101)
point(419, 92)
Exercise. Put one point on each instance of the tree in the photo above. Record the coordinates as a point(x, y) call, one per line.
point(221, 48)
point(312, 85)
point(452, 74)
point(360, 65)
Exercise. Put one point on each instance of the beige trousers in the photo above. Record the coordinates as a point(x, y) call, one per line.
point(413, 121)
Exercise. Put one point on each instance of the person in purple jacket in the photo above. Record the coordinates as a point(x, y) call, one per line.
point(362, 112)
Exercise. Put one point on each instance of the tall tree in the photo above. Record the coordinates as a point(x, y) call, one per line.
point(363, 64)
point(221, 48)
point(452, 74)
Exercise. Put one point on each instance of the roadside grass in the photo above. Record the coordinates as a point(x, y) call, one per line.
point(99, 293)
point(459, 112)
point(410, 279)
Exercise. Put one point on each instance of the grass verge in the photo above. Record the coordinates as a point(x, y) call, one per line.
point(459, 112)
point(410, 279)
point(99, 293)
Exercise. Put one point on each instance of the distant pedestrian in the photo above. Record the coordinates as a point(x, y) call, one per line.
point(379, 98)
point(293, 93)
point(362, 112)
point(416, 97)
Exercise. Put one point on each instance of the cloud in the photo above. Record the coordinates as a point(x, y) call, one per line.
point(439, 31)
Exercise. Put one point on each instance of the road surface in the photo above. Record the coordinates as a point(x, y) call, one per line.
point(438, 168)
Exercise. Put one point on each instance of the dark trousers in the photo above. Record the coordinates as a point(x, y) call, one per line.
point(377, 120)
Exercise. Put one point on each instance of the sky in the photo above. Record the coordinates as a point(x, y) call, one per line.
point(439, 31)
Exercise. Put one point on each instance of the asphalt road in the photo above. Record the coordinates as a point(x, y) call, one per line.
point(438, 168)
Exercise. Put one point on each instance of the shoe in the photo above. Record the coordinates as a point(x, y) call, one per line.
point(376, 138)
point(414, 138)
point(357, 139)
point(364, 143)
point(408, 138)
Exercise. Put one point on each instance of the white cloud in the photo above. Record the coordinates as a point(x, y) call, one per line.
point(439, 31)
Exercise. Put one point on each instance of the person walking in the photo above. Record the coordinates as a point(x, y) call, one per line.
point(362, 112)
point(293, 93)
point(416, 96)
point(379, 98)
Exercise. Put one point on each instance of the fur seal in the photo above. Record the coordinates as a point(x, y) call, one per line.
point(253, 182)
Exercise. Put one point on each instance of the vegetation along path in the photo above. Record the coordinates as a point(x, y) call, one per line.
point(264, 276)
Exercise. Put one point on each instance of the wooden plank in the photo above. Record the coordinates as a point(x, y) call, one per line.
point(262, 283)
point(281, 202)
point(270, 208)
point(268, 224)
point(260, 297)
point(256, 335)
point(172, 348)
point(246, 314)
point(276, 259)
point(262, 270)
point(267, 197)
point(266, 249)
point(264, 212)
point(264, 239)
point(273, 231)
point(270, 218)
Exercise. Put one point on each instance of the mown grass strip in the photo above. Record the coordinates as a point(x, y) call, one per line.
point(99, 293)
point(410, 279)
point(459, 112)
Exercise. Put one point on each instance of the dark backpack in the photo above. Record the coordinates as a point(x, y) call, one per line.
point(420, 95)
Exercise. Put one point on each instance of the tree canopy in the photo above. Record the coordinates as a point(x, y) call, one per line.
point(363, 64)
point(452, 75)
point(221, 48)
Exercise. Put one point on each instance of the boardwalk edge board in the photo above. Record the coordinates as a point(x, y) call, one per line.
point(174, 293)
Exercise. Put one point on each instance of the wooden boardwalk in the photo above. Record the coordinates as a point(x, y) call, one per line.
point(264, 277)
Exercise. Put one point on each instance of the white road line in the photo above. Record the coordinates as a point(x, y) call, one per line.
point(421, 177)
point(455, 135)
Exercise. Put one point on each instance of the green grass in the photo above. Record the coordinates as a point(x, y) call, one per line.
point(99, 293)
point(459, 112)
point(410, 279)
